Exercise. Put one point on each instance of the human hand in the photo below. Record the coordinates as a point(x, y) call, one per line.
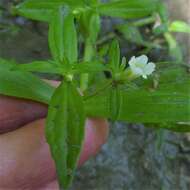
point(25, 161)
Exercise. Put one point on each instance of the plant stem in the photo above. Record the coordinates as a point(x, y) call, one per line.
point(103, 88)
point(106, 38)
point(88, 54)
point(145, 21)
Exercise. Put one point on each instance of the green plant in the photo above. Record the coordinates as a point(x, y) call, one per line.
point(162, 99)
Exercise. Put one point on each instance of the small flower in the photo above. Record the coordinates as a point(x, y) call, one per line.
point(140, 66)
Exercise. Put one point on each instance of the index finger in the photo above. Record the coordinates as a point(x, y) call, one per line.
point(15, 113)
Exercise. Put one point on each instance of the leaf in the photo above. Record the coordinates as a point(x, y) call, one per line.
point(62, 35)
point(128, 9)
point(90, 25)
point(174, 50)
point(170, 102)
point(114, 56)
point(115, 102)
point(179, 26)
point(163, 12)
point(42, 10)
point(65, 131)
point(93, 2)
point(40, 66)
point(91, 67)
point(22, 84)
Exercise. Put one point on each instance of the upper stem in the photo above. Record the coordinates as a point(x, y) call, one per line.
point(145, 21)
point(88, 54)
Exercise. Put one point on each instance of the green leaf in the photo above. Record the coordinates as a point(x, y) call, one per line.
point(115, 102)
point(65, 131)
point(170, 102)
point(93, 2)
point(42, 10)
point(91, 67)
point(40, 66)
point(179, 26)
point(22, 84)
point(62, 35)
point(90, 25)
point(128, 9)
point(114, 56)
point(174, 50)
point(163, 12)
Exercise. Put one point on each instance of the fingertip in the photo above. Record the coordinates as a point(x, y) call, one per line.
point(96, 135)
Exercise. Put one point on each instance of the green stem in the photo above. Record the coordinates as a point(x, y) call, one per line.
point(106, 38)
point(102, 89)
point(145, 21)
point(88, 54)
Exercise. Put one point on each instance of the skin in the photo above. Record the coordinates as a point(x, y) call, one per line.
point(25, 160)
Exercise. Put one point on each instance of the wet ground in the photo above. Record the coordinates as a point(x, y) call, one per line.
point(134, 158)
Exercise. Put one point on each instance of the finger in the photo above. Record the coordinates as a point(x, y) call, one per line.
point(25, 158)
point(50, 186)
point(15, 113)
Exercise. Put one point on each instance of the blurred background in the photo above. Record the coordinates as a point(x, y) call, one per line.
point(135, 157)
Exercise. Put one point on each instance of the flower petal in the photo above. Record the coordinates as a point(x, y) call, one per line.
point(132, 61)
point(150, 68)
point(142, 59)
point(137, 71)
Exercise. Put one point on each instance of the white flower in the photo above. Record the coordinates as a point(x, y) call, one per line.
point(140, 66)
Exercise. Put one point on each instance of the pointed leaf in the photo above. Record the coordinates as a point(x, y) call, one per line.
point(90, 25)
point(169, 102)
point(115, 102)
point(62, 35)
point(163, 12)
point(65, 131)
point(179, 26)
point(22, 84)
point(128, 9)
point(174, 49)
point(42, 10)
point(40, 66)
point(91, 67)
point(114, 56)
